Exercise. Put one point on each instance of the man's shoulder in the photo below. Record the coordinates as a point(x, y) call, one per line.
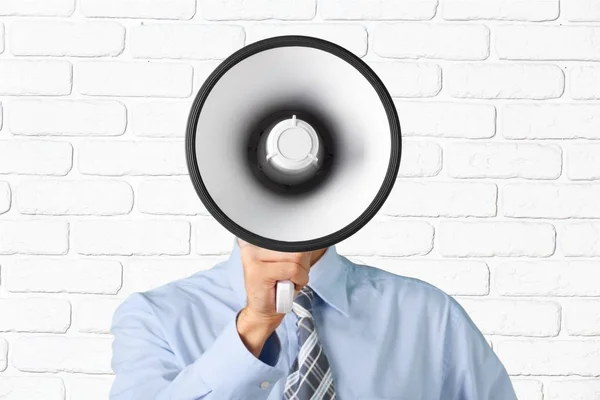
point(401, 290)
point(175, 295)
point(384, 279)
point(402, 293)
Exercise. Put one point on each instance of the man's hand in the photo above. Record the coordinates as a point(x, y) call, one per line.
point(262, 269)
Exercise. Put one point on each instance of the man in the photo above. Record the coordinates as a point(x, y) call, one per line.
point(356, 332)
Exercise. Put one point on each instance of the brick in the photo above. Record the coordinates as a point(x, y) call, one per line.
point(212, 238)
point(352, 37)
point(503, 160)
point(548, 200)
point(169, 197)
point(547, 278)
point(3, 355)
point(528, 389)
point(455, 277)
point(34, 237)
point(35, 157)
point(582, 317)
point(39, 77)
point(134, 78)
point(514, 318)
point(585, 83)
point(406, 79)
point(453, 42)
point(381, 10)
point(580, 239)
point(551, 121)
point(420, 159)
point(520, 42)
point(2, 34)
point(550, 357)
point(151, 9)
point(51, 8)
point(185, 41)
point(390, 238)
point(5, 197)
point(35, 315)
point(68, 197)
point(159, 119)
point(94, 315)
point(89, 388)
point(257, 10)
point(32, 387)
point(489, 239)
point(118, 158)
point(112, 237)
point(445, 119)
point(61, 38)
point(62, 354)
point(581, 10)
point(516, 10)
point(62, 275)
point(67, 117)
point(441, 199)
point(584, 389)
point(141, 275)
point(504, 81)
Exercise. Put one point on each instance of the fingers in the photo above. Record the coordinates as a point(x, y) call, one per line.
point(288, 271)
point(269, 266)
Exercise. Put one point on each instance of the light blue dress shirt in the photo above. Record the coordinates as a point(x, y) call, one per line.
point(385, 336)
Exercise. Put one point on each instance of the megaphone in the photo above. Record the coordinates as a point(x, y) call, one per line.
point(293, 144)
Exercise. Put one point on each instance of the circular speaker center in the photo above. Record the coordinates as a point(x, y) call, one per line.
point(295, 143)
point(289, 151)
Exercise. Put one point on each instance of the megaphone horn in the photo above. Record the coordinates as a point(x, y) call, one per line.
point(293, 144)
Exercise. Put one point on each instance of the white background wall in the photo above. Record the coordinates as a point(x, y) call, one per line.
point(497, 200)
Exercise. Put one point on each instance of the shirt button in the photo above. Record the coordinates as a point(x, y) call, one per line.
point(265, 385)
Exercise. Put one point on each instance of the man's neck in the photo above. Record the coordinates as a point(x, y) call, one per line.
point(316, 255)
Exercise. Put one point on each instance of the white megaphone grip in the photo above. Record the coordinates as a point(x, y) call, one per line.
point(284, 297)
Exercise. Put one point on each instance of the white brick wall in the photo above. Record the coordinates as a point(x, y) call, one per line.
point(22, 77)
point(136, 79)
point(61, 353)
point(67, 117)
point(585, 84)
point(517, 10)
point(151, 9)
point(88, 388)
point(54, 8)
point(35, 315)
point(82, 39)
point(56, 275)
point(185, 41)
point(497, 201)
point(3, 354)
point(499, 81)
point(34, 388)
point(428, 40)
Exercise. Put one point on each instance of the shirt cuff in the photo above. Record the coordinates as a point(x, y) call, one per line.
point(232, 372)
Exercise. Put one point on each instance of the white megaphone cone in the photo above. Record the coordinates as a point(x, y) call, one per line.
point(293, 144)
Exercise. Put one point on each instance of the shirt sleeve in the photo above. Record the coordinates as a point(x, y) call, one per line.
point(146, 367)
point(472, 371)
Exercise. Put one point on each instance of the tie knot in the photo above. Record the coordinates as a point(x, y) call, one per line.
point(303, 303)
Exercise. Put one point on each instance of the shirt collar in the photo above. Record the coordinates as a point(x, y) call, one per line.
point(327, 277)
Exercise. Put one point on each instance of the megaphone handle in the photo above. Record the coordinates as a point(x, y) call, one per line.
point(284, 296)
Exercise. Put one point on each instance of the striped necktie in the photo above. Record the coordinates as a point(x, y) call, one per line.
point(310, 375)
